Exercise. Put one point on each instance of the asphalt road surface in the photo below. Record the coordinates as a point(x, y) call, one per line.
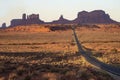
point(110, 69)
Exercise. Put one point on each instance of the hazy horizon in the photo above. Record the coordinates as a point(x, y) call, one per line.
point(50, 10)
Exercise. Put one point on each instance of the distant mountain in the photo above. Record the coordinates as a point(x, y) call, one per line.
point(83, 17)
point(3, 26)
point(26, 20)
point(61, 20)
point(96, 16)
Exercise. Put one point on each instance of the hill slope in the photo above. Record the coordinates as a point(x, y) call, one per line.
point(27, 28)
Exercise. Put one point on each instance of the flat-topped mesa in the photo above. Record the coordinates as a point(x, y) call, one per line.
point(83, 13)
point(83, 17)
point(61, 20)
point(26, 20)
point(96, 16)
point(33, 16)
point(34, 19)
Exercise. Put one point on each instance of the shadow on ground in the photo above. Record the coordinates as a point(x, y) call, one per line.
point(46, 66)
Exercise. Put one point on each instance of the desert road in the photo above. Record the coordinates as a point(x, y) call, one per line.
point(106, 67)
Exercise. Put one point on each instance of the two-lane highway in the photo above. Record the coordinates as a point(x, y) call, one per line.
point(111, 69)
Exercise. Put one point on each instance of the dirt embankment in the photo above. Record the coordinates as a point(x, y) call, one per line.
point(27, 28)
point(55, 27)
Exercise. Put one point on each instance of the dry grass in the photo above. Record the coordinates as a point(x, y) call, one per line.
point(53, 55)
point(28, 28)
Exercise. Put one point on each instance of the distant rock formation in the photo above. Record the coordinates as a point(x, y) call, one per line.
point(30, 19)
point(94, 17)
point(3, 25)
point(84, 17)
point(61, 20)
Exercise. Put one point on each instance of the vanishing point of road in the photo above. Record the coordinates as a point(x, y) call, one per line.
point(113, 71)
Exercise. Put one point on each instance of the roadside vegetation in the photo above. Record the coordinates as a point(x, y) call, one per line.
point(53, 55)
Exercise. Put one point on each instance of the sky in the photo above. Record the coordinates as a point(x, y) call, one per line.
point(50, 10)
